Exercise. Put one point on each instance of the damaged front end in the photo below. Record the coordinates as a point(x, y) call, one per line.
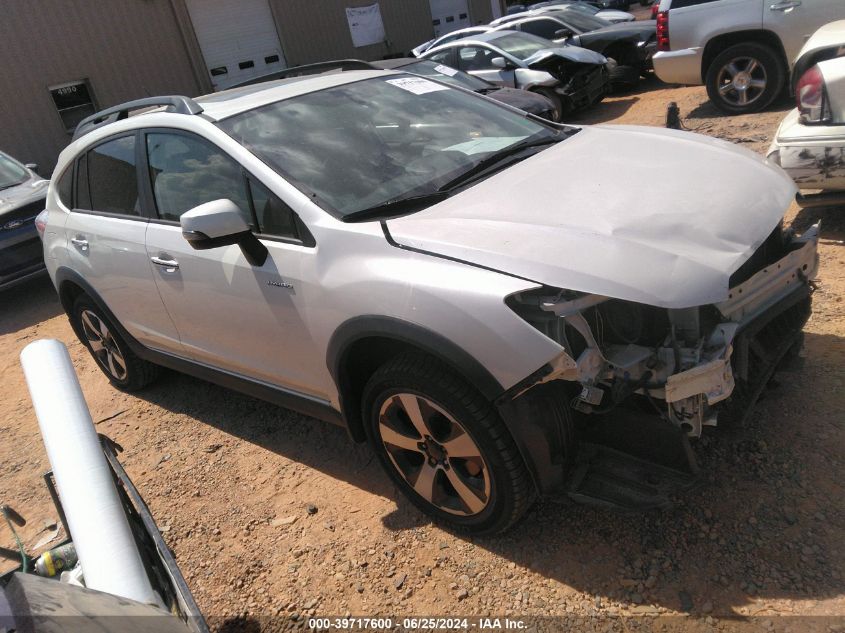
point(691, 365)
point(580, 77)
point(645, 379)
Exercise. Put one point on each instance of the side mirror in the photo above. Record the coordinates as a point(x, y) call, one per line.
point(33, 167)
point(220, 223)
point(563, 34)
point(501, 62)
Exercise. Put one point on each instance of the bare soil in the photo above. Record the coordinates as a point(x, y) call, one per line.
point(229, 480)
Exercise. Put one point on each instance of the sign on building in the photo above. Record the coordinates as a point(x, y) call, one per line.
point(365, 25)
point(74, 102)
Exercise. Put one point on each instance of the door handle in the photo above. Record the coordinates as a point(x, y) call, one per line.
point(785, 6)
point(80, 243)
point(169, 265)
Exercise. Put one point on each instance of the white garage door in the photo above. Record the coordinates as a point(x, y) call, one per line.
point(238, 39)
point(448, 15)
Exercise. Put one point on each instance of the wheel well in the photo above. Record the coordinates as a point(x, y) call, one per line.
point(623, 53)
point(721, 42)
point(68, 292)
point(360, 360)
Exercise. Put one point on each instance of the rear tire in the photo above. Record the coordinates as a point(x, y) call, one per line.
point(624, 77)
point(116, 360)
point(745, 78)
point(445, 446)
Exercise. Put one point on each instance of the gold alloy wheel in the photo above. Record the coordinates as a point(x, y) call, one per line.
point(434, 454)
point(103, 345)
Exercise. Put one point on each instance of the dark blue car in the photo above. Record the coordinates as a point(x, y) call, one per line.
point(22, 194)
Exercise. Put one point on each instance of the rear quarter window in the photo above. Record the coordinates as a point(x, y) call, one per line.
point(64, 187)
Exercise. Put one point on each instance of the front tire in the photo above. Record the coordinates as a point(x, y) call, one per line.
point(745, 78)
point(445, 446)
point(557, 102)
point(121, 366)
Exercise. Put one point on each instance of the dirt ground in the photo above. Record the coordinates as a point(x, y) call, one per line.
point(229, 480)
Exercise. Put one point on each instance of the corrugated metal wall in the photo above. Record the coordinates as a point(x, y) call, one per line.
point(127, 49)
point(313, 31)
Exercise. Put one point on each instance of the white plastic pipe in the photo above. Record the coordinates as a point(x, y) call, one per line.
point(107, 552)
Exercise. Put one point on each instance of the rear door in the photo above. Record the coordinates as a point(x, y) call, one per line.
point(106, 233)
point(796, 20)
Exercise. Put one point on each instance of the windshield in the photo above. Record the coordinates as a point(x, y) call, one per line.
point(522, 45)
point(364, 144)
point(11, 172)
point(583, 22)
point(447, 75)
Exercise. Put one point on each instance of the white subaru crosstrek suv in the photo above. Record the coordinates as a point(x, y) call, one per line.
point(447, 277)
point(741, 50)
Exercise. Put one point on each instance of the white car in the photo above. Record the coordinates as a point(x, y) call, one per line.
point(742, 50)
point(448, 278)
point(810, 142)
point(449, 37)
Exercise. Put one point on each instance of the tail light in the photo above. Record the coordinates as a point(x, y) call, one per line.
point(41, 223)
point(811, 97)
point(663, 31)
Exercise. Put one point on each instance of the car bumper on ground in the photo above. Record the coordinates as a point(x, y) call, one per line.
point(812, 155)
point(678, 67)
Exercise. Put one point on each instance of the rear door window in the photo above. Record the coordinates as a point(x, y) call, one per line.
point(109, 178)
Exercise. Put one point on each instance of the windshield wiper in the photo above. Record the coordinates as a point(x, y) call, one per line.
point(486, 163)
point(397, 206)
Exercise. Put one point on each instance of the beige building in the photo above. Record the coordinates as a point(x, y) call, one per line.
point(64, 59)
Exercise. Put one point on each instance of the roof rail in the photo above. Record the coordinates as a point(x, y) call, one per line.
point(175, 103)
point(308, 69)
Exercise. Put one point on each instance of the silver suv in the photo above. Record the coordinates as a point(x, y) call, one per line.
point(473, 290)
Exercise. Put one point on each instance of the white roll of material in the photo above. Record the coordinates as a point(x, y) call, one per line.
point(107, 552)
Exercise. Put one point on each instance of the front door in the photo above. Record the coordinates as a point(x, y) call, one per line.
point(244, 319)
point(106, 234)
point(478, 61)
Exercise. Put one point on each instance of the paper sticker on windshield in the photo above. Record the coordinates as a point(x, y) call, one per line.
point(417, 85)
point(445, 70)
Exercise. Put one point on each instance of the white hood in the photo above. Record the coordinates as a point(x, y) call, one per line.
point(643, 214)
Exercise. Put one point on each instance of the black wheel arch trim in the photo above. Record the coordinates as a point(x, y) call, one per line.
point(262, 391)
point(404, 332)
